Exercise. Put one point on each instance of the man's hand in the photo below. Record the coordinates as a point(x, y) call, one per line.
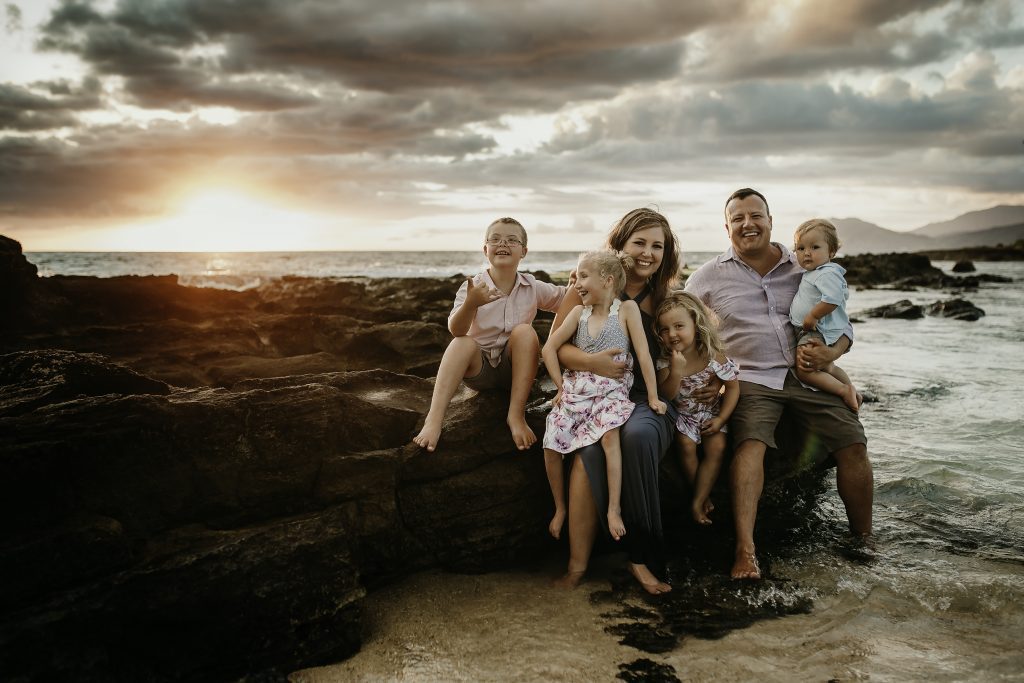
point(478, 295)
point(603, 363)
point(810, 322)
point(814, 355)
point(709, 393)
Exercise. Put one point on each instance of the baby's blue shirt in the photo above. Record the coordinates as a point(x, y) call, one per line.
point(824, 283)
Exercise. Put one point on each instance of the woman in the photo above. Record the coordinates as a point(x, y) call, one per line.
point(645, 235)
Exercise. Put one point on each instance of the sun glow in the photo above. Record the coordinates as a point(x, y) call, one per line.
point(225, 220)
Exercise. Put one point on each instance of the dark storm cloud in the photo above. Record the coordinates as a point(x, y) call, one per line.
point(46, 105)
point(12, 18)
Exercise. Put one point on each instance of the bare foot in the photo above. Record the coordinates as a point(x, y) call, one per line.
point(746, 566)
point(616, 527)
point(700, 511)
point(555, 527)
point(429, 435)
point(521, 432)
point(850, 397)
point(648, 581)
point(570, 579)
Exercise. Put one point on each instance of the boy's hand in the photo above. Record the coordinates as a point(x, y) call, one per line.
point(810, 322)
point(478, 295)
point(712, 426)
point(657, 405)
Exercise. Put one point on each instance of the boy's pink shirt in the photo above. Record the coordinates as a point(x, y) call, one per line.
point(493, 323)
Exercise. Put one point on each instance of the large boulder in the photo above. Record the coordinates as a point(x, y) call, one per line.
point(958, 309)
point(150, 532)
point(904, 309)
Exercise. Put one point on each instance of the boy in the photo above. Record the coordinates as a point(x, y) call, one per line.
point(819, 307)
point(495, 345)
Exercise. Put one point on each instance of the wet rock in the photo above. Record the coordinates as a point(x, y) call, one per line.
point(901, 309)
point(210, 533)
point(964, 266)
point(958, 309)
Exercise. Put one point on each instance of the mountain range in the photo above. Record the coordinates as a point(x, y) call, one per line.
point(989, 227)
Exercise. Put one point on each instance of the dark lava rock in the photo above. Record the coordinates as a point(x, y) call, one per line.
point(155, 533)
point(881, 269)
point(964, 266)
point(901, 309)
point(958, 309)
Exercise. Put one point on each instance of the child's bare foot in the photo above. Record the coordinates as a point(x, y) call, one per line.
point(700, 510)
point(648, 581)
point(570, 579)
point(429, 435)
point(616, 527)
point(555, 527)
point(746, 566)
point(521, 432)
point(850, 397)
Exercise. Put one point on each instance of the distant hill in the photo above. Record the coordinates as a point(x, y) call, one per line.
point(1004, 234)
point(974, 221)
point(861, 237)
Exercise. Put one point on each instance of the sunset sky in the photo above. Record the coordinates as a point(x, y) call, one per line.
point(356, 124)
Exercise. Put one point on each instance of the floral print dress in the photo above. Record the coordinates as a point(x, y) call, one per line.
point(591, 404)
point(693, 414)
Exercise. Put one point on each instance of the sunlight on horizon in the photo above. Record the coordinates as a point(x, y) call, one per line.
point(224, 220)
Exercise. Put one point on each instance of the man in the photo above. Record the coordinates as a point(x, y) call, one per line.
point(750, 288)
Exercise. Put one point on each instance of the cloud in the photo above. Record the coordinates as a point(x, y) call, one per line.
point(12, 18)
point(46, 105)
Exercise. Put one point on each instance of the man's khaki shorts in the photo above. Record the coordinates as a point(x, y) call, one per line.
point(490, 377)
point(818, 412)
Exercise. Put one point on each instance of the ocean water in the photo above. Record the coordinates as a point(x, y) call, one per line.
point(938, 594)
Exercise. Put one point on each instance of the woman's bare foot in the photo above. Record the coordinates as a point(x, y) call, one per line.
point(746, 566)
point(616, 527)
point(570, 579)
point(429, 435)
point(850, 397)
point(648, 581)
point(522, 435)
point(700, 509)
point(555, 527)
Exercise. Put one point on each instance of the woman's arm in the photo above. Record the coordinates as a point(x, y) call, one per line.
point(635, 327)
point(556, 340)
point(602, 363)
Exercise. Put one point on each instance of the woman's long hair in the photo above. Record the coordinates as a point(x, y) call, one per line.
point(640, 219)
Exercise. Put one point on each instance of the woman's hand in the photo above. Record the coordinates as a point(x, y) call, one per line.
point(708, 394)
point(604, 363)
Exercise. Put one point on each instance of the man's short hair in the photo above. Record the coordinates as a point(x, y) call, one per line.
point(745, 192)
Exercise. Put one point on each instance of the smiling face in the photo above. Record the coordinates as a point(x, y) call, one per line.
point(677, 329)
point(504, 244)
point(748, 225)
point(647, 247)
point(812, 249)
point(591, 287)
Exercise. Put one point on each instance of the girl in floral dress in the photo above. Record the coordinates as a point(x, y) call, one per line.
point(587, 407)
point(694, 354)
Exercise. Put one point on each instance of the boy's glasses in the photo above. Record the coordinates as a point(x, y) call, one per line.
point(494, 240)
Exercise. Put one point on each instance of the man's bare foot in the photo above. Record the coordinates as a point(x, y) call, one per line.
point(700, 509)
point(555, 527)
point(850, 397)
point(521, 432)
point(616, 527)
point(746, 566)
point(429, 435)
point(570, 579)
point(648, 581)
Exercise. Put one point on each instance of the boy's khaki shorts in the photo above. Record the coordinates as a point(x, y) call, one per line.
point(824, 414)
point(491, 377)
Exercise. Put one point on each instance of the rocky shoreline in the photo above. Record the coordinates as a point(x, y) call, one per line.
point(201, 483)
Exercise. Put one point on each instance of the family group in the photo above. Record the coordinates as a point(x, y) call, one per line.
point(754, 332)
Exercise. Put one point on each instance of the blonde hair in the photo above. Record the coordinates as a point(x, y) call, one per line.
point(827, 229)
point(707, 341)
point(505, 220)
point(609, 263)
point(641, 219)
